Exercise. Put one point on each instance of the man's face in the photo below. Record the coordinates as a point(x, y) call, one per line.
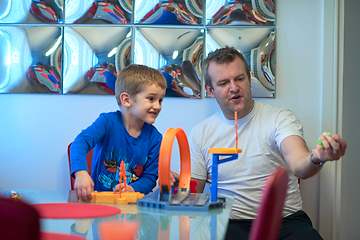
point(231, 88)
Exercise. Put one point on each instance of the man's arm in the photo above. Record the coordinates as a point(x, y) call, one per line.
point(200, 185)
point(297, 155)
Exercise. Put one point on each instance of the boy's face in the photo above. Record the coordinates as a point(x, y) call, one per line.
point(146, 105)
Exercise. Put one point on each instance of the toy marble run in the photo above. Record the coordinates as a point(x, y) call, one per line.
point(184, 199)
point(114, 197)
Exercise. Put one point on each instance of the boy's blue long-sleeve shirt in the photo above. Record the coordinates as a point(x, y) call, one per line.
point(112, 144)
point(110, 79)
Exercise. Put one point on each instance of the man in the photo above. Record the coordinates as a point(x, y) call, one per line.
point(270, 137)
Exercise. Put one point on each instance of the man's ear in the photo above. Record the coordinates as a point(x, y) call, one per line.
point(250, 79)
point(125, 99)
point(210, 91)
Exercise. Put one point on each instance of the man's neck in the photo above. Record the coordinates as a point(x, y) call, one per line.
point(240, 114)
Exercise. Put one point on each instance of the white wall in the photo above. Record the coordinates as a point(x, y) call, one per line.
point(350, 164)
point(35, 129)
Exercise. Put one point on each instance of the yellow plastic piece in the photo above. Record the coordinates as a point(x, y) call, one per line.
point(225, 150)
point(128, 197)
point(113, 197)
point(104, 197)
point(121, 201)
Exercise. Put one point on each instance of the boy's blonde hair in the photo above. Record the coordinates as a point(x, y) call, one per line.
point(133, 78)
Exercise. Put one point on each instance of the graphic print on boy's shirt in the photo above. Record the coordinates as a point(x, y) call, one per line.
point(108, 176)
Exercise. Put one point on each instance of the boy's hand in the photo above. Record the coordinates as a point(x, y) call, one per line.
point(128, 188)
point(84, 185)
point(174, 179)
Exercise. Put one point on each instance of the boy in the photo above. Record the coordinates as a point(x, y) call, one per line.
point(126, 135)
point(110, 76)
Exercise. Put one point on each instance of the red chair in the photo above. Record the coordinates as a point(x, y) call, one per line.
point(88, 162)
point(18, 220)
point(267, 223)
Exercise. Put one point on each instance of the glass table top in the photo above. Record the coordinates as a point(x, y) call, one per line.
point(153, 222)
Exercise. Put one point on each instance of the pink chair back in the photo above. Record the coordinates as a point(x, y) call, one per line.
point(267, 223)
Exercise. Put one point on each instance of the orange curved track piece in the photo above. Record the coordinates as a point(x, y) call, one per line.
point(165, 159)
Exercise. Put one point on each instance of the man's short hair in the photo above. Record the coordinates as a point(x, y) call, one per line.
point(222, 56)
point(168, 69)
point(133, 78)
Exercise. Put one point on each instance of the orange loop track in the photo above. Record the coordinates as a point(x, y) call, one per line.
point(165, 159)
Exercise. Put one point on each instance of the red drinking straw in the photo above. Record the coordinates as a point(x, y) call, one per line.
point(236, 131)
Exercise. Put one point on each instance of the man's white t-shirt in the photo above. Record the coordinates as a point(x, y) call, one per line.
point(259, 136)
